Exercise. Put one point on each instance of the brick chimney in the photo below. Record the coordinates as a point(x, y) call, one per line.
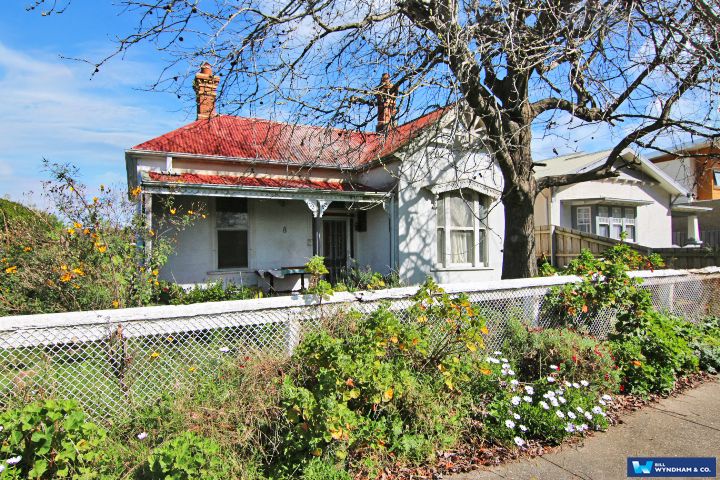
point(205, 87)
point(386, 104)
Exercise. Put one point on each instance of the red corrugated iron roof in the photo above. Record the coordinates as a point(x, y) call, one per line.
point(265, 140)
point(245, 181)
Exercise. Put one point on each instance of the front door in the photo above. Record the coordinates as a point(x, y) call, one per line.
point(335, 247)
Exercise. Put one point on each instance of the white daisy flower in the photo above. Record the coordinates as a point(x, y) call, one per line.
point(570, 427)
point(14, 460)
point(545, 406)
point(2, 467)
point(506, 366)
point(530, 390)
point(493, 360)
point(142, 435)
point(562, 400)
point(505, 360)
point(554, 402)
point(522, 428)
point(575, 385)
point(511, 372)
point(560, 414)
point(584, 383)
point(554, 367)
point(509, 424)
point(607, 398)
point(515, 400)
point(580, 409)
point(224, 349)
point(519, 441)
point(571, 415)
point(602, 402)
point(516, 416)
point(583, 427)
point(551, 379)
point(497, 352)
point(514, 382)
point(588, 415)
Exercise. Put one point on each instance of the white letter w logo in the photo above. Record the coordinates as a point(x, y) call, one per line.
point(644, 469)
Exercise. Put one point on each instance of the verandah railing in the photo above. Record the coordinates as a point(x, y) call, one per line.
point(109, 360)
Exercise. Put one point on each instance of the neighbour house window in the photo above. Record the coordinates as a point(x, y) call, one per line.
point(461, 228)
point(584, 223)
point(232, 232)
point(716, 178)
point(606, 221)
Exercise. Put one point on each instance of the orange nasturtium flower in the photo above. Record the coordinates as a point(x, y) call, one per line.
point(101, 247)
point(66, 277)
point(71, 231)
point(484, 330)
point(154, 355)
point(637, 363)
point(11, 270)
point(78, 271)
point(136, 191)
point(77, 225)
point(190, 212)
point(485, 371)
point(27, 249)
point(172, 211)
point(115, 304)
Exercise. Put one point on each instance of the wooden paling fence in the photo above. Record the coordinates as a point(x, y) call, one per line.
point(560, 245)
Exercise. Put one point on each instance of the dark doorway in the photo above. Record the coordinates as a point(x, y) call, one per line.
point(335, 247)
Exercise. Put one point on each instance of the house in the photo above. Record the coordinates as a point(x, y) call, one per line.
point(696, 166)
point(418, 198)
point(640, 201)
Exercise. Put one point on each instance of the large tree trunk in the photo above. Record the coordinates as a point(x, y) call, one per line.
point(519, 246)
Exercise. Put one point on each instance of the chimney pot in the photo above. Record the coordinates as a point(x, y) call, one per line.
point(205, 86)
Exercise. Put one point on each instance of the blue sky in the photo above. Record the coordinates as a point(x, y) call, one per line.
point(52, 108)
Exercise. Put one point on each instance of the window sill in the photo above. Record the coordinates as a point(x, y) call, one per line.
point(461, 268)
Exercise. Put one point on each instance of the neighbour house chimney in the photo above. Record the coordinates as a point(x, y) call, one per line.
point(386, 104)
point(205, 87)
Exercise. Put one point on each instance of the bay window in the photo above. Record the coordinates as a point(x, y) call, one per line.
point(461, 229)
point(606, 220)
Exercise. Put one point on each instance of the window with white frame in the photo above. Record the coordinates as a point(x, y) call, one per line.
point(606, 220)
point(716, 178)
point(584, 219)
point(461, 229)
point(232, 232)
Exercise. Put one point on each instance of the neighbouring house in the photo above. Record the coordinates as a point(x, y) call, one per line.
point(640, 201)
point(696, 166)
point(420, 199)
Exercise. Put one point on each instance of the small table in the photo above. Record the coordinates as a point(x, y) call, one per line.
point(282, 272)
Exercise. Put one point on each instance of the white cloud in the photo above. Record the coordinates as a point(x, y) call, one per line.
point(52, 109)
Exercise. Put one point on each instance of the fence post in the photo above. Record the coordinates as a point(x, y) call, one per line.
point(292, 334)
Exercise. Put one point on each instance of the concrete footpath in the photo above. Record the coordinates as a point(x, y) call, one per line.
point(688, 425)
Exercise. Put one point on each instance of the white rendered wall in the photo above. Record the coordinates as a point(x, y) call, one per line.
point(653, 222)
point(417, 221)
point(280, 235)
point(372, 247)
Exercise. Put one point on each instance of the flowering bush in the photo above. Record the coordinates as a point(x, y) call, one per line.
point(549, 409)
point(380, 386)
point(605, 286)
point(86, 255)
point(536, 351)
point(50, 439)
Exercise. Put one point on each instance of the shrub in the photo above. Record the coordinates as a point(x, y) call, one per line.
point(51, 439)
point(319, 469)
point(550, 408)
point(651, 352)
point(214, 292)
point(379, 386)
point(87, 256)
point(186, 457)
point(359, 278)
point(605, 285)
point(704, 339)
point(578, 357)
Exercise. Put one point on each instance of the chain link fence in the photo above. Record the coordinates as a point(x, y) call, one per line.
point(109, 361)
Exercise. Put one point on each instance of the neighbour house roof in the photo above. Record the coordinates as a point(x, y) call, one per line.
point(253, 139)
point(582, 162)
point(253, 181)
